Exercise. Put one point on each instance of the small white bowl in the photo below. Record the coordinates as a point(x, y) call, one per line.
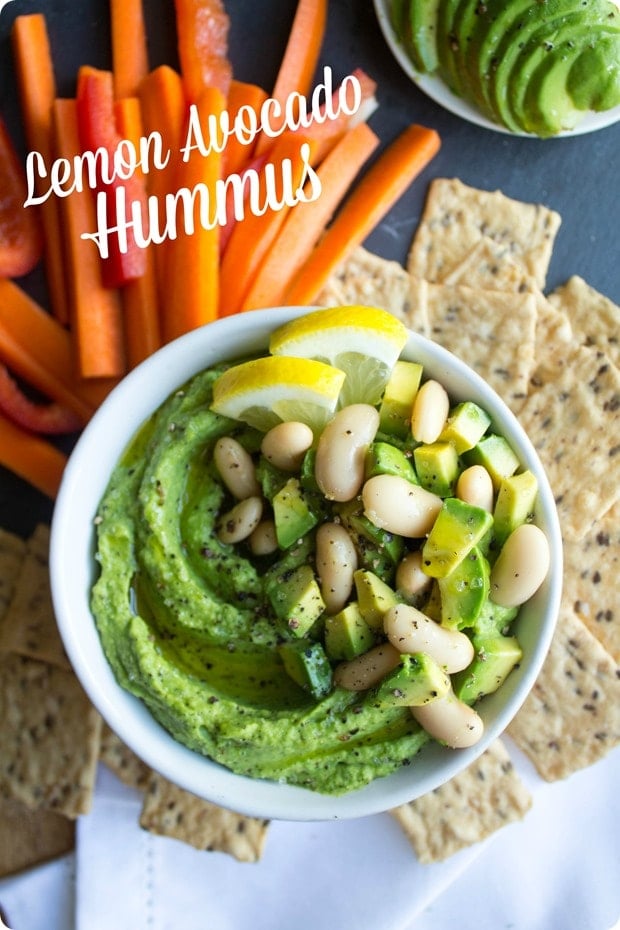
point(73, 571)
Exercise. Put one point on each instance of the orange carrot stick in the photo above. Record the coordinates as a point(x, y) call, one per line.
point(307, 221)
point(37, 90)
point(96, 321)
point(34, 459)
point(202, 36)
point(241, 96)
point(139, 297)
point(372, 198)
point(300, 57)
point(193, 260)
point(37, 348)
point(129, 46)
point(251, 239)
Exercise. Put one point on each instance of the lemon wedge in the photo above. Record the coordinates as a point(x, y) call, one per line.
point(266, 391)
point(365, 342)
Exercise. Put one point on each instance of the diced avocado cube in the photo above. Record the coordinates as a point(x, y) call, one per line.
point(377, 549)
point(374, 597)
point(458, 528)
point(307, 477)
point(307, 664)
point(495, 658)
point(494, 619)
point(296, 599)
point(466, 425)
point(398, 398)
point(496, 455)
point(464, 591)
point(515, 505)
point(270, 478)
point(292, 514)
point(437, 466)
point(416, 680)
point(347, 634)
point(432, 607)
point(383, 458)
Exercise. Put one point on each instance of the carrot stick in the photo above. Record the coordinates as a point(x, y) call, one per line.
point(300, 58)
point(39, 349)
point(193, 260)
point(305, 224)
point(202, 37)
point(129, 46)
point(34, 459)
point(251, 239)
point(96, 321)
point(372, 198)
point(139, 297)
point(241, 95)
point(37, 90)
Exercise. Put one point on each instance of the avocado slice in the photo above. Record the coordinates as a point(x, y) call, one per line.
point(398, 397)
point(382, 458)
point(296, 599)
point(374, 597)
point(514, 505)
point(464, 591)
point(416, 680)
point(496, 455)
point(308, 666)
point(458, 528)
point(495, 658)
point(420, 34)
point(437, 466)
point(347, 634)
point(448, 48)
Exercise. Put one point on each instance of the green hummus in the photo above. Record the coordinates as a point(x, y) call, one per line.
point(187, 626)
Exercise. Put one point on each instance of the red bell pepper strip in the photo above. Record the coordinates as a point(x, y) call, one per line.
point(21, 243)
point(97, 130)
point(50, 418)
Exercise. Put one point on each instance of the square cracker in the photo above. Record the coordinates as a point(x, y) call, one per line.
point(12, 553)
point(571, 718)
point(594, 318)
point(29, 838)
point(456, 217)
point(121, 760)
point(171, 811)
point(367, 279)
point(592, 579)
point(49, 738)
point(471, 806)
point(574, 423)
point(29, 627)
point(492, 331)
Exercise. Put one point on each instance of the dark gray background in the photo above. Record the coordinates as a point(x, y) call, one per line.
point(577, 176)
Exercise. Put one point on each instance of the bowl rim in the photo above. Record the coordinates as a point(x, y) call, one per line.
point(72, 568)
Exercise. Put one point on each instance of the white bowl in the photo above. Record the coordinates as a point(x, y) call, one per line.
point(438, 90)
point(73, 571)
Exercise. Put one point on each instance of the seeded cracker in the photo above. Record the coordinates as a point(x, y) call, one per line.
point(12, 552)
point(29, 627)
point(571, 718)
point(471, 806)
point(492, 331)
point(574, 423)
point(456, 217)
point(28, 838)
point(594, 318)
point(49, 737)
point(592, 580)
point(121, 760)
point(367, 279)
point(171, 811)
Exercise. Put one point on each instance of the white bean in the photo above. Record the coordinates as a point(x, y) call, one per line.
point(286, 444)
point(367, 670)
point(263, 539)
point(450, 721)
point(394, 504)
point(430, 411)
point(409, 630)
point(410, 577)
point(241, 521)
point(475, 486)
point(236, 468)
point(521, 566)
point(341, 450)
point(336, 561)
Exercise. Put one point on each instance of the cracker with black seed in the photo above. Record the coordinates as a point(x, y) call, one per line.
point(492, 331)
point(49, 737)
point(594, 318)
point(483, 798)
point(573, 421)
point(456, 217)
point(29, 838)
point(171, 811)
point(122, 760)
point(367, 279)
point(29, 627)
point(12, 553)
point(571, 718)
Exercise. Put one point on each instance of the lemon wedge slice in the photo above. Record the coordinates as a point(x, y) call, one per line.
point(365, 342)
point(266, 391)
